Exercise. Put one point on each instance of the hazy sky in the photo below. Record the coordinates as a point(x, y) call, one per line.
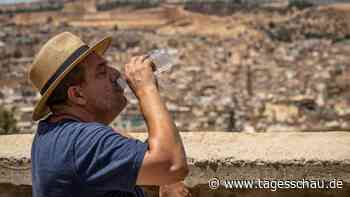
point(14, 1)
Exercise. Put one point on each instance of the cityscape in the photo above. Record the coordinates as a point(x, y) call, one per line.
point(276, 68)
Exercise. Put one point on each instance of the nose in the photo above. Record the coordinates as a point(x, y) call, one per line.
point(113, 73)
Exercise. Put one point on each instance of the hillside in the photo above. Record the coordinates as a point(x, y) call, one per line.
point(255, 69)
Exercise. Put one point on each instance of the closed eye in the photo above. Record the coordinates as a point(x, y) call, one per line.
point(102, 69)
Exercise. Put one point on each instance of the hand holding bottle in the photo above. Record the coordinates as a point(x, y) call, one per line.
point(158, 61)
point(139, 74)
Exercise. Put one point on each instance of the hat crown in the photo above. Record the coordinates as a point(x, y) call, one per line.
point(51, 56)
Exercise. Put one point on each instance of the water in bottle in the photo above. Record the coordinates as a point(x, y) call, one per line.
point(163, 60)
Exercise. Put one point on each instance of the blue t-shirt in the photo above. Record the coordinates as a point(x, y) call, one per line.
point(72, 158)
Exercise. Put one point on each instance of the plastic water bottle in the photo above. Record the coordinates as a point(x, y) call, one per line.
point(163, 60)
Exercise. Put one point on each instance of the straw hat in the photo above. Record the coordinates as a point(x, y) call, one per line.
point(55, 59)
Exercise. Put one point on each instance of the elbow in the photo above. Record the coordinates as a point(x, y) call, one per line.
point(178, 173)
point(181, 170)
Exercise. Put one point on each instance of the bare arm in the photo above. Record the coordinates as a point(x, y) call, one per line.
point(165, 161)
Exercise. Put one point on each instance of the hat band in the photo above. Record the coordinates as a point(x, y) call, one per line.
point(64, 66)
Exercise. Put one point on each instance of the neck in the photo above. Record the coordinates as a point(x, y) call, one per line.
point(76, 113)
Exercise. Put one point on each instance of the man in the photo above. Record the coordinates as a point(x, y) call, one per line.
point(74, 152)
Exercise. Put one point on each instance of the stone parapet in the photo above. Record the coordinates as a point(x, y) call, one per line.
point(288, 155)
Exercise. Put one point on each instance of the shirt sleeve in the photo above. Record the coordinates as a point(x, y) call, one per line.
point(106, 160)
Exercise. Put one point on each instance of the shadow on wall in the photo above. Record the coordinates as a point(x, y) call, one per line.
point(9, 190)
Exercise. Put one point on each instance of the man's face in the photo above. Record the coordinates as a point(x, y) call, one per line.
point(103, 99)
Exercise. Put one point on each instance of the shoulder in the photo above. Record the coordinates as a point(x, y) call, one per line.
point(92, 130)
point(87, 125)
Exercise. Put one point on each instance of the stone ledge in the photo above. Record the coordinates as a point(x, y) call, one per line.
point(291, 155)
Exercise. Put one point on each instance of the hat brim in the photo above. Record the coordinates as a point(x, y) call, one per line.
point(41, 109)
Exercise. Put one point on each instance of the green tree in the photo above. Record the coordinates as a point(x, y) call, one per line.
point(8, 121)
point(300, 4)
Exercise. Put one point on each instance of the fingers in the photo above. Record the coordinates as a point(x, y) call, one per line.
point(143, 59)
point(175, 190)
point(187, 193)
point(138, 72)
point(139, 59)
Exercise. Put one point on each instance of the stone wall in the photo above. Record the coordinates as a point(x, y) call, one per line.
point(242, 156)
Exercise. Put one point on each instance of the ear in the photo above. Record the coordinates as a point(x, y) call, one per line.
point(76, 96)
